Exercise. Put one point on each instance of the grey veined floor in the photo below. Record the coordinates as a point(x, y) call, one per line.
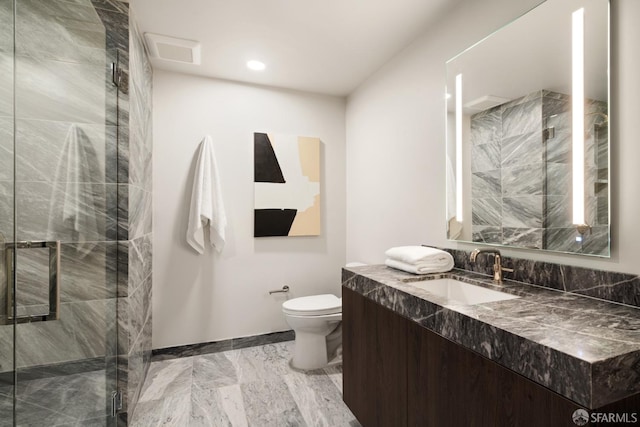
point(252, 386)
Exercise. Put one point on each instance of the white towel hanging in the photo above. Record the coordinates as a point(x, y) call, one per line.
point(207, 207)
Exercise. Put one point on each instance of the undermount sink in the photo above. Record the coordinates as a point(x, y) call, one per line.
point(457, 292)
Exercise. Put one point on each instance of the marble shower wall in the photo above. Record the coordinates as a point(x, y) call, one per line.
point(63, 137)
point(521, 174)
point(64, 53)
point(135, 227)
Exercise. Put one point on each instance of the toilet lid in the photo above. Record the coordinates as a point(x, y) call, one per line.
point(314, 305)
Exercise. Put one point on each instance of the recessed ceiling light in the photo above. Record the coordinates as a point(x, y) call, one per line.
point(256, 65)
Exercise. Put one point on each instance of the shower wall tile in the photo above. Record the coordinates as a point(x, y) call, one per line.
point(6, 27)
point(486, 184)
point(558, 179)
point(59, 30)
point(522, 212)
point(521, 149)
point(6, 209)
point(139, 212)
point(140, 258)
point(486, 127)
point(522, 118)
point(486, 211)
point(117, 25)
point(63, 91)
point(487, 234)
point(6, 83)
point(559, 211)
point(112, 5)
point(40, 152)
point(523, 180)
point(139, 310)
point(485, 157)
point(79, 334)
point(53, 207)
point(523, 237)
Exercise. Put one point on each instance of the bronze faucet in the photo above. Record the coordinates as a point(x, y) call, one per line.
point(497, 263)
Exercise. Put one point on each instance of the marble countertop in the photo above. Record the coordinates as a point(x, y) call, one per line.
point(585, 349)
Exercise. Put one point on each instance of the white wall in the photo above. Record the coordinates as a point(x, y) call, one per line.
point(396, 140)
point(202, 298)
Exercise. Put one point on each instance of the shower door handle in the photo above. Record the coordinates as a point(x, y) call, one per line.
point(54, 280)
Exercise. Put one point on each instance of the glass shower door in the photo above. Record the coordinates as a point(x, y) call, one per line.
point(7, 328)
point(60, 269)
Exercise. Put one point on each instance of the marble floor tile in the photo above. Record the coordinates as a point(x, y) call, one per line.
point(246, 387)
point(167, 378)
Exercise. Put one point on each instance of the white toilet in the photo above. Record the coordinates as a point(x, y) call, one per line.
point(316, 321)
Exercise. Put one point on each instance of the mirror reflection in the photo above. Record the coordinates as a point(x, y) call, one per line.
point(517, 173)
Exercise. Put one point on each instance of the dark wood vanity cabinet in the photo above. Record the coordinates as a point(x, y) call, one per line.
point(449, 385)
point(374, 354)
point(397, 373)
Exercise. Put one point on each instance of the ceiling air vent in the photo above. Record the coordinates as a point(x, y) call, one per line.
point(173, 49)
point(485, 102)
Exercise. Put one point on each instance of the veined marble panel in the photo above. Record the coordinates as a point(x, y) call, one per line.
point(487, 211)
point(522, 212)
point(597, 242)
point(486, 234)
point(117, 26)
point(41, 156)
point(6, 148)
point(271, 403)
point(139, 309)
point(79, 334)
point(70, 32)
point(522, 237)
point(6, 26)
point(563, 239)
point(80, 396)
point(121, 6)
point(533, 96)
point(486, 184)
point(522, 118)
point(559, 212)
point(486, 127)
point(49, 211)
point(525, 180)
point(485, 157)
point(168, 377)
point(140, 259)
point(318, 399)
point(6, 83)
point(6, 209)
point(521, 149)
point(139, 212)
point(558, 179)
point(60, 91)
point(559, 147)
point(556, 107)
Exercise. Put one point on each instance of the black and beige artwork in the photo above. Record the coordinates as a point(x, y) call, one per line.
point(287, 185)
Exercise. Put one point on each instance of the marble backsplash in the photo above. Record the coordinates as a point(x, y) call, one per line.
point(607, 285)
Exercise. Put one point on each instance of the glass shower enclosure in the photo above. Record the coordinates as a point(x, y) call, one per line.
point(58, 216)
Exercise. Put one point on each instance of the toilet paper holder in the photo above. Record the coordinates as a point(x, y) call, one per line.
point(284, 289)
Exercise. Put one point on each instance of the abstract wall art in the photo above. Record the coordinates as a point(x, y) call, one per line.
point(287, 185)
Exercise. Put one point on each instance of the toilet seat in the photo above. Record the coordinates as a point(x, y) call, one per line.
point(315, 305)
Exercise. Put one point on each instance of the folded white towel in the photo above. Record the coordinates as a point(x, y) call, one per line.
point(420, 254)
point(418, 268)
point(207, 207)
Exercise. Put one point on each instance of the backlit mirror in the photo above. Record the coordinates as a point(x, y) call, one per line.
point(518, 174)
